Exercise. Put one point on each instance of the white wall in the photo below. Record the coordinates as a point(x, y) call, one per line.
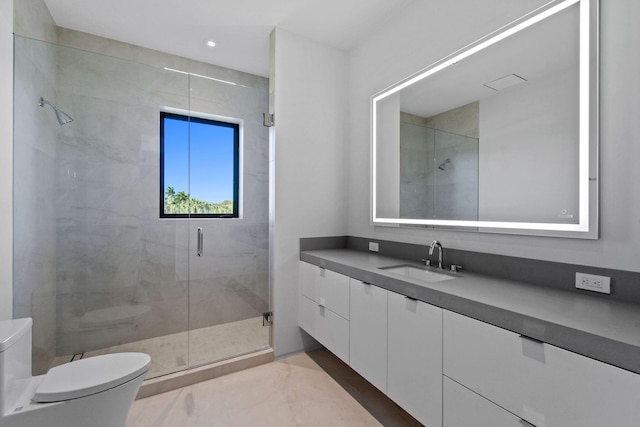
point(520, 127)
point(388, 158)
point(31, 18)
point(421, 34)
point(6, 158)
point(309, 82)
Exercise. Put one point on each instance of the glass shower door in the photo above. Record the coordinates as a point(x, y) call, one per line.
point(229, 256)
point(97, 264)
point(455, 176)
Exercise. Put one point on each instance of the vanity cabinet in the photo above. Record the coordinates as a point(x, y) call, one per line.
point(450, 370)
point(463, 408)
point(542, 384)
point(414, 373)
point(323, 310)
point(368, 332)
point(326, 287)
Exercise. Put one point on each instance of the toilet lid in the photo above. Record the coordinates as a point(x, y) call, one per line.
point(91, 375)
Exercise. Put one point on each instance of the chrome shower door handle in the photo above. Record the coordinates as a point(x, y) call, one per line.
point(200, 241)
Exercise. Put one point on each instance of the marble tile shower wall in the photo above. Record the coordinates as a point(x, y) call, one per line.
point(114, 256)
point(112, 250)
point(430, 191)
point(35, 133)
point(439, 164)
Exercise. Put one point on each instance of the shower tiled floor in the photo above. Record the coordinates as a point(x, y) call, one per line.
point(205, 345)
point(308, 389)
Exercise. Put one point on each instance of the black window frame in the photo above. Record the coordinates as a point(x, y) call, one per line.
point(236, 165)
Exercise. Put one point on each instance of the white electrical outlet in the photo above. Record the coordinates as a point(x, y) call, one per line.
point(373, 246)
point(591, 282)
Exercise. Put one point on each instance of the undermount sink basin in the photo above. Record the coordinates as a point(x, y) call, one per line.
point(419, 273)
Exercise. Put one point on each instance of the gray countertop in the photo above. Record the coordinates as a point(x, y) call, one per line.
point(590, 325)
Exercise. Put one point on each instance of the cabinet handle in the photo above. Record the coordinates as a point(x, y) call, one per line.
point(525, 337)
point(411, 299)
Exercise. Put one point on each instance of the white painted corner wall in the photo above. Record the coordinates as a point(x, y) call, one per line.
point(309, 164)
point(6, 159)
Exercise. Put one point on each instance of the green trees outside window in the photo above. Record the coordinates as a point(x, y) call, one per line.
point(199, 167)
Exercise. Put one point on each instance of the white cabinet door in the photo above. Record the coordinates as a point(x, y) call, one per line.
point(326, 287)
point(592, 393)
point(414, 377)
point(464, 408)
point(329, 329)
point(542, 384)
point(332, 331)
point(368, 332)
point(332, 291)
point(489, 361)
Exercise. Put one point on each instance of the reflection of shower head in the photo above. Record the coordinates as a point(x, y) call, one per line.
point(63, 118)
point(443, 164)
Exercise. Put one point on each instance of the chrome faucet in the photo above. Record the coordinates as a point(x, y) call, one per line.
point(436, 244)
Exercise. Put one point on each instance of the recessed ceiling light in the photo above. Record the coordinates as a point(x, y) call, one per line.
point(210, 43)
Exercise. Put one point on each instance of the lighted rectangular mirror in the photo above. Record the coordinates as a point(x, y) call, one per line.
point(500, 136)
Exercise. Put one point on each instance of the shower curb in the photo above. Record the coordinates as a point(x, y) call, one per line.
point(177, 380)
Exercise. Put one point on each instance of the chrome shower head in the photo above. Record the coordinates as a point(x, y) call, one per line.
point(63, 118)
point(444, 164)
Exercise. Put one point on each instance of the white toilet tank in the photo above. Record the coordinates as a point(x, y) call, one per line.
point(15, 360)
point(96, 391)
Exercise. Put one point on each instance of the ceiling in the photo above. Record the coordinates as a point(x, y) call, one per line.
point(240, 28)
point(552, 48)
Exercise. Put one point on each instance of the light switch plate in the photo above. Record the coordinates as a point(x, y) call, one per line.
point(373, 246)
point(592, 282)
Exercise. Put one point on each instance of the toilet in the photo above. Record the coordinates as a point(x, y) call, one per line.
point(96, 391)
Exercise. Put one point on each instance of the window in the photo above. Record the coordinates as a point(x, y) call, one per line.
point(199, 167)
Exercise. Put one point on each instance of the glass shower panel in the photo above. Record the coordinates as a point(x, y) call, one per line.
point(455, 176)
point(438, 173)
point(96, 264)
point(113, 274)
point(36, 132)
point(417, 145)
point(229, 281)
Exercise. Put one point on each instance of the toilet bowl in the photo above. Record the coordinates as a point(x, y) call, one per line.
point(97, 391)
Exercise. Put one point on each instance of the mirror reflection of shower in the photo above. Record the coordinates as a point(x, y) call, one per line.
point(63, 118)
point(443, 165)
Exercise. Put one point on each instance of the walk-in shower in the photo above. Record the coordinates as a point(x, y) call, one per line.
point(95, 265)
point(438, 173)
point(63, 118)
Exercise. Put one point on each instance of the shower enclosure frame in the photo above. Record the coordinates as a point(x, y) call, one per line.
point(97, 257)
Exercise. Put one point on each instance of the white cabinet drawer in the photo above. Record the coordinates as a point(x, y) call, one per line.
point(414, 371)
point(306, 314)
point(464, 408)
point(326, 287)
point(368, 332)
point(328, 328)
point(542, 384)
point(307, 279)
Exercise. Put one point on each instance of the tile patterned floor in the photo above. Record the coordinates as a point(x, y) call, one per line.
point(308, 389)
